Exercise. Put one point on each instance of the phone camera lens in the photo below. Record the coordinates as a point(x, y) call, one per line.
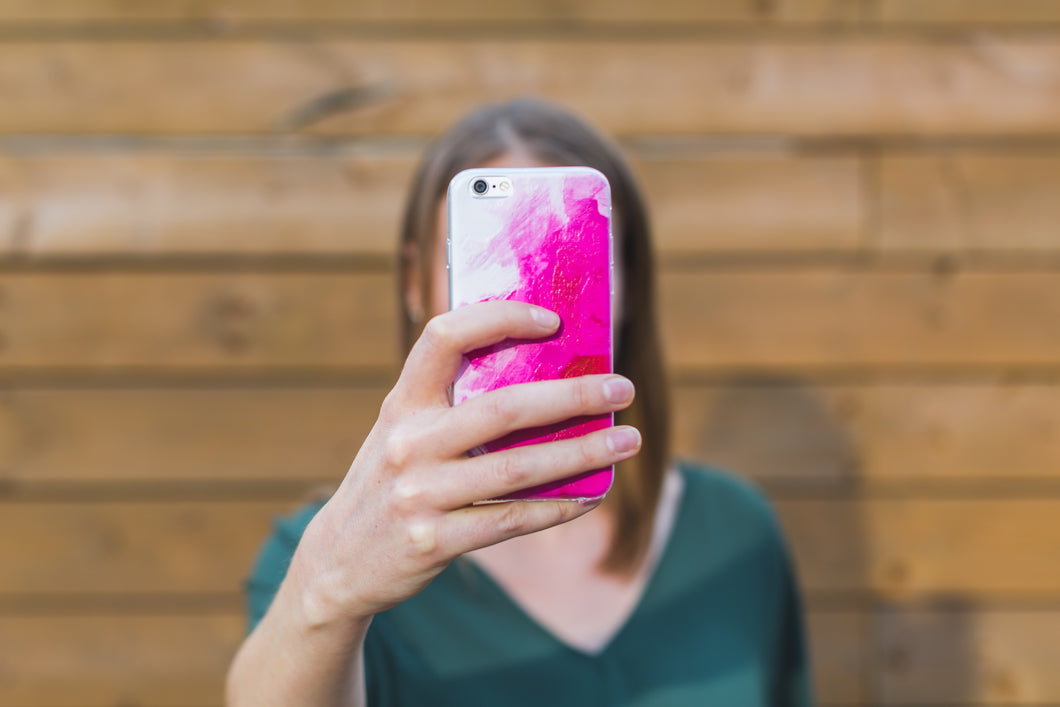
point(479, 186)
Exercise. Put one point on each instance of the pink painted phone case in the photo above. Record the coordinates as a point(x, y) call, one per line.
point(538, 235)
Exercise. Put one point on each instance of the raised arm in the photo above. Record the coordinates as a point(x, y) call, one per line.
point(403, 512)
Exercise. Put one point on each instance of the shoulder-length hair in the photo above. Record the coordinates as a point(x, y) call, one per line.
point(555, 136)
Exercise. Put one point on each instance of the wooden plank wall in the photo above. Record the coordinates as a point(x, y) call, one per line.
point(857, 214)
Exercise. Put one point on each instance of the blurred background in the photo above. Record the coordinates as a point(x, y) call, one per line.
point(857, 205)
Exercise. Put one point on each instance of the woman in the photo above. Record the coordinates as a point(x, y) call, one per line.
point(396, 591)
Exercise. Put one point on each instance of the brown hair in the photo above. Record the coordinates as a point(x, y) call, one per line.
point(555, 136)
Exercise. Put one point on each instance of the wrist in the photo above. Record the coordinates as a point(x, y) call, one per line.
point(314, 594)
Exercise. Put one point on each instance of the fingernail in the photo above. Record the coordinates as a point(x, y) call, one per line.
point(623, 439)
point(617, 390)
point(545, 318)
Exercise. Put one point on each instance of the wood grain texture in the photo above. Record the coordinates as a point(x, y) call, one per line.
point(850, 86)
point(189, 434)
point(107, 660)
point(455, 12)
point(128, 548)
point(837, 317)
point(136, 205)
point(962, 202)
point(78, 205)
point(905, 548)
point(755, 203)
point(968, 656)
point(963, 12)
point(237, 12)
point(722, 320)
point(886, 435)
point(856, 212)
point(110, 320)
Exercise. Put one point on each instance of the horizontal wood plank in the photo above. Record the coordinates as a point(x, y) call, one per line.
point(850, 86)
point(107, 660)
point(185, 435)
point(962, 12)
point(127, 548)
point(755, 203)
point(964, 656)
point(156, 205)
point(920, 547)
point(834, 317)
point(886, 436)
point(238, 12)
point(121, 204)
point(189, 320)
point(969, 203)
point(456, 13)
point(896, 547)
point(758, 318)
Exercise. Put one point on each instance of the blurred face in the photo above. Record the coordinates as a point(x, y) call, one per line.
point(438, 300)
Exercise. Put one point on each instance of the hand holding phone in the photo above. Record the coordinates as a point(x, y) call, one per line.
point(543, 236)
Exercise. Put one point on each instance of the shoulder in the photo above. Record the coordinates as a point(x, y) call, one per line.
point(719, 491)
point(721, 506)
point(728, 527)
point(732, 519)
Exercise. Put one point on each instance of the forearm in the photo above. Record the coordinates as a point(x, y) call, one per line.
point(299, 655)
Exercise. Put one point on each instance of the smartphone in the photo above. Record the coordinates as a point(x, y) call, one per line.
point(540, 235)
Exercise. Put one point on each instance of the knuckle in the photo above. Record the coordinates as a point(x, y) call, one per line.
point(499, 409)
point(422, 537)
point(512, 521)
point(438, 333)
point(568, 511)
point(397, 450)
point(509, 471)
point(409, 495)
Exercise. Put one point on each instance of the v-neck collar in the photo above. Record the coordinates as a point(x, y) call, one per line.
point(656, 574)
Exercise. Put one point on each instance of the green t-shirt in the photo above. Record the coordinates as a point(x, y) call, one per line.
point(719, 623)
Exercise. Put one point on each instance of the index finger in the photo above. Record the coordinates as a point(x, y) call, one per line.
point(435, 357)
